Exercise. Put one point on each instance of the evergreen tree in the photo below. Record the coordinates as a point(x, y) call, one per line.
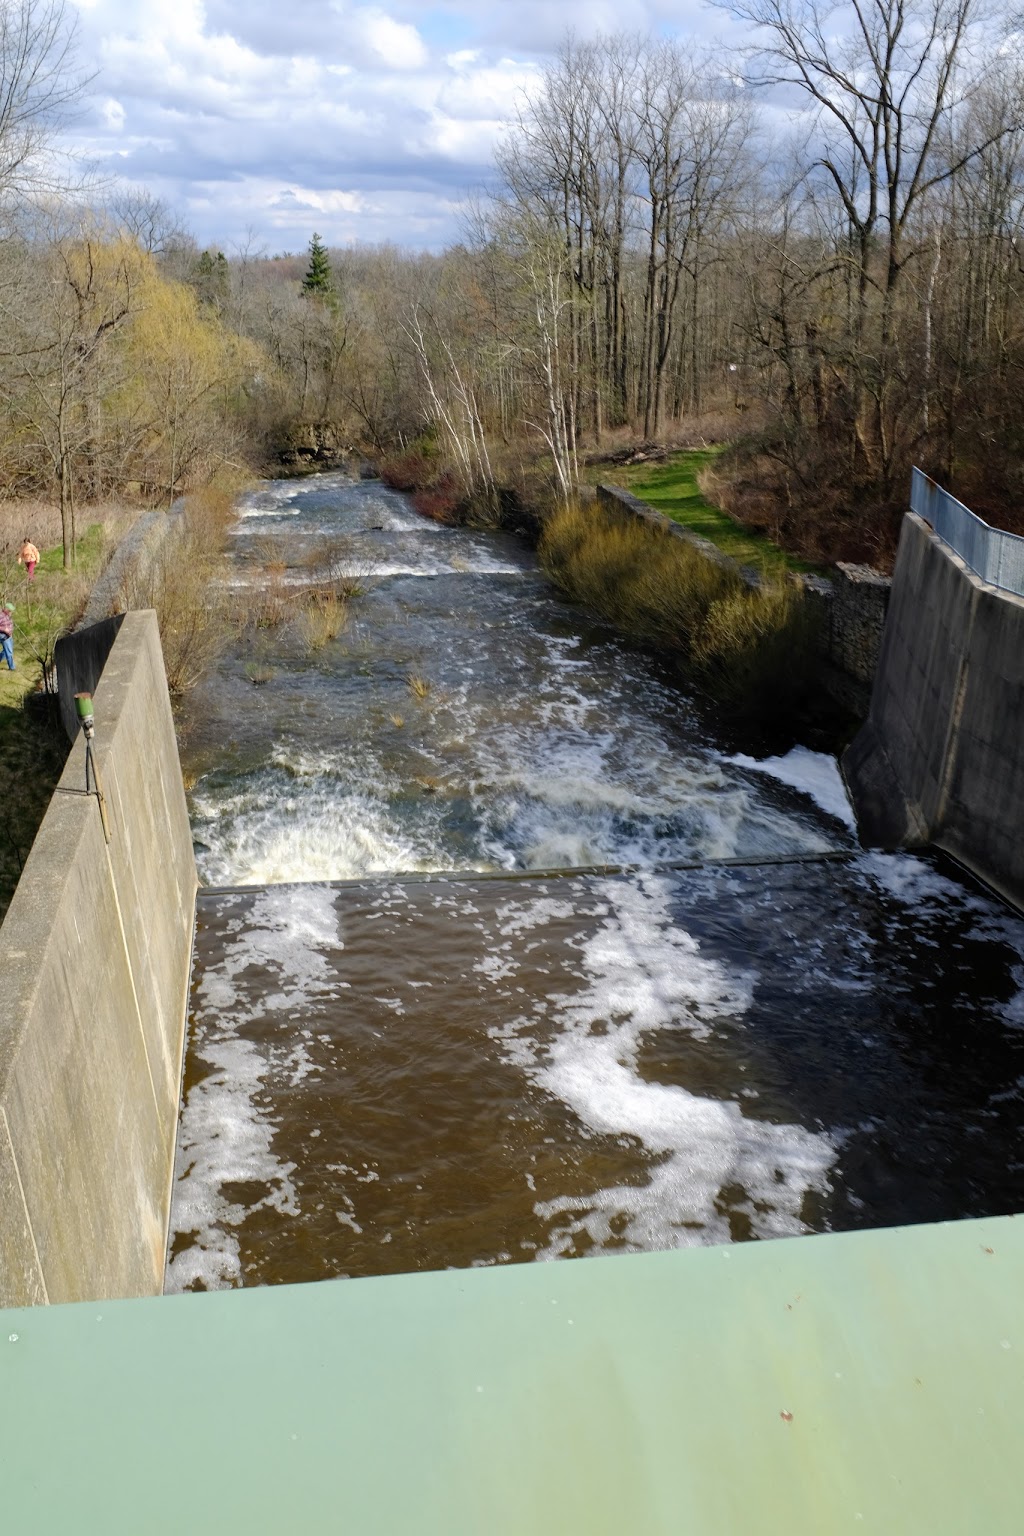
point(318, 276)
point(211, 278)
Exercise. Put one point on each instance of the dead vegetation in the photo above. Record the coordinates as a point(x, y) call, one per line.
point(180, 582)
point(323, 617)
point(747, 645)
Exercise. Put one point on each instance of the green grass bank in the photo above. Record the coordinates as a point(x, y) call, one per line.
point(33, 746)
point(674, 488)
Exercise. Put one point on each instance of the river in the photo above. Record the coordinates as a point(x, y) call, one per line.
point(434, 1019)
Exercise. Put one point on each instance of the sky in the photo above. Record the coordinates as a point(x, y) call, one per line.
point(260, 121)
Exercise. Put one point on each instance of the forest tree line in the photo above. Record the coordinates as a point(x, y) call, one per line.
point(813, 249)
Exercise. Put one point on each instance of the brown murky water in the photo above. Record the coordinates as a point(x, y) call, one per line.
point(399, 1073)
point(389, 1077)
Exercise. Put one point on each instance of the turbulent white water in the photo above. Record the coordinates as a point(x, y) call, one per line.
point(534, 746)
point(397, 1076)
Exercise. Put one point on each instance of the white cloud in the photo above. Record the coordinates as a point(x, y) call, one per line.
point(396, 43)
point(377, 119)
point(113, 114)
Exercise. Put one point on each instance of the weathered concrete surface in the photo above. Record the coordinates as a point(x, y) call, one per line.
point(80, 659)
point(941, 757)
point(822, 1386)
point(94, 960)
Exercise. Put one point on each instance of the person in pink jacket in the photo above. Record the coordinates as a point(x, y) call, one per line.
point(28, 556)
point(7, 635)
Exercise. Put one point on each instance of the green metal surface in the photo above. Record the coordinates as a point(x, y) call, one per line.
point(868, 1382)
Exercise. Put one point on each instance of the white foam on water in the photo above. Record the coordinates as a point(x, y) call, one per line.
point(644, 973)
point(917, 883)
point(225, 1137)
point(927, 895)
point(266, 834)
point(481, 567)
point(565, 805)
point(556, 769)
point(814, 773)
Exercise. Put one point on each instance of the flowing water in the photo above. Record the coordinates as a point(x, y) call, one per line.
point(456, 1055)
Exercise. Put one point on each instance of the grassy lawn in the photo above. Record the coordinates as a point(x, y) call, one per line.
point(671, 488)
point(33, 746)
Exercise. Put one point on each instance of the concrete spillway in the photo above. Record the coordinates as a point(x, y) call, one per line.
point(399, 1074)
point(95, 953)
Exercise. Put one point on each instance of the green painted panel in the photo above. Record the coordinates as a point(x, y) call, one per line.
point(866, 1382)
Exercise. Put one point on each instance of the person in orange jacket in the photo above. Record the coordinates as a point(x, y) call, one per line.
point(28, 556)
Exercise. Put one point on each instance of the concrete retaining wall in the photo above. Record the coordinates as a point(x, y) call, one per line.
point(850, 605)
point(133, 557)
point(80, 658)
point(94, 961)
point(941, 757)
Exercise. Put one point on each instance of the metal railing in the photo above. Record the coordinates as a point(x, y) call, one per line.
point(995, 556)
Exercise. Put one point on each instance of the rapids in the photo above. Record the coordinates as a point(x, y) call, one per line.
point(456, 1055)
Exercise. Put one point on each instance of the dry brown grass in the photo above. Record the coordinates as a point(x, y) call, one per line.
point(749, 646)
point(259, 673)
point(192, 611)
point(40, 522)
point(418, 686)
point(271, 555)
point(322, 620)
point(264, 607)
point(212, 507)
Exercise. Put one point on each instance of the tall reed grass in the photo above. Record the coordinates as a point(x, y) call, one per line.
point(323, 617)
point(180, 583)
point(750, 647)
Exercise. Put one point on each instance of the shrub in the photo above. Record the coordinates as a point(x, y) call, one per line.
point(179, 583)
point(259, 673)
point(750, 646)
point(344, 564)
point(272, 555)
point(322, 620)
point(406, 471)
point(440, 501)
point(756, 647)
point(654, 587)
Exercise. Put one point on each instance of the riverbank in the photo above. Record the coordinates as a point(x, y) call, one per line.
point(749, 645)
point(751, 631)
point(33, 745)
point(674, 484)
point(443, 856)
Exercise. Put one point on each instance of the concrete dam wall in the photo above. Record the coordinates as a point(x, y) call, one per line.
point(941, 757)
point(94, 955)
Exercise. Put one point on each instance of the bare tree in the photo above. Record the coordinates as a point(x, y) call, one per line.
point(78, 288)
point(38, 85)
point(148, 220)
point(882, 90)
